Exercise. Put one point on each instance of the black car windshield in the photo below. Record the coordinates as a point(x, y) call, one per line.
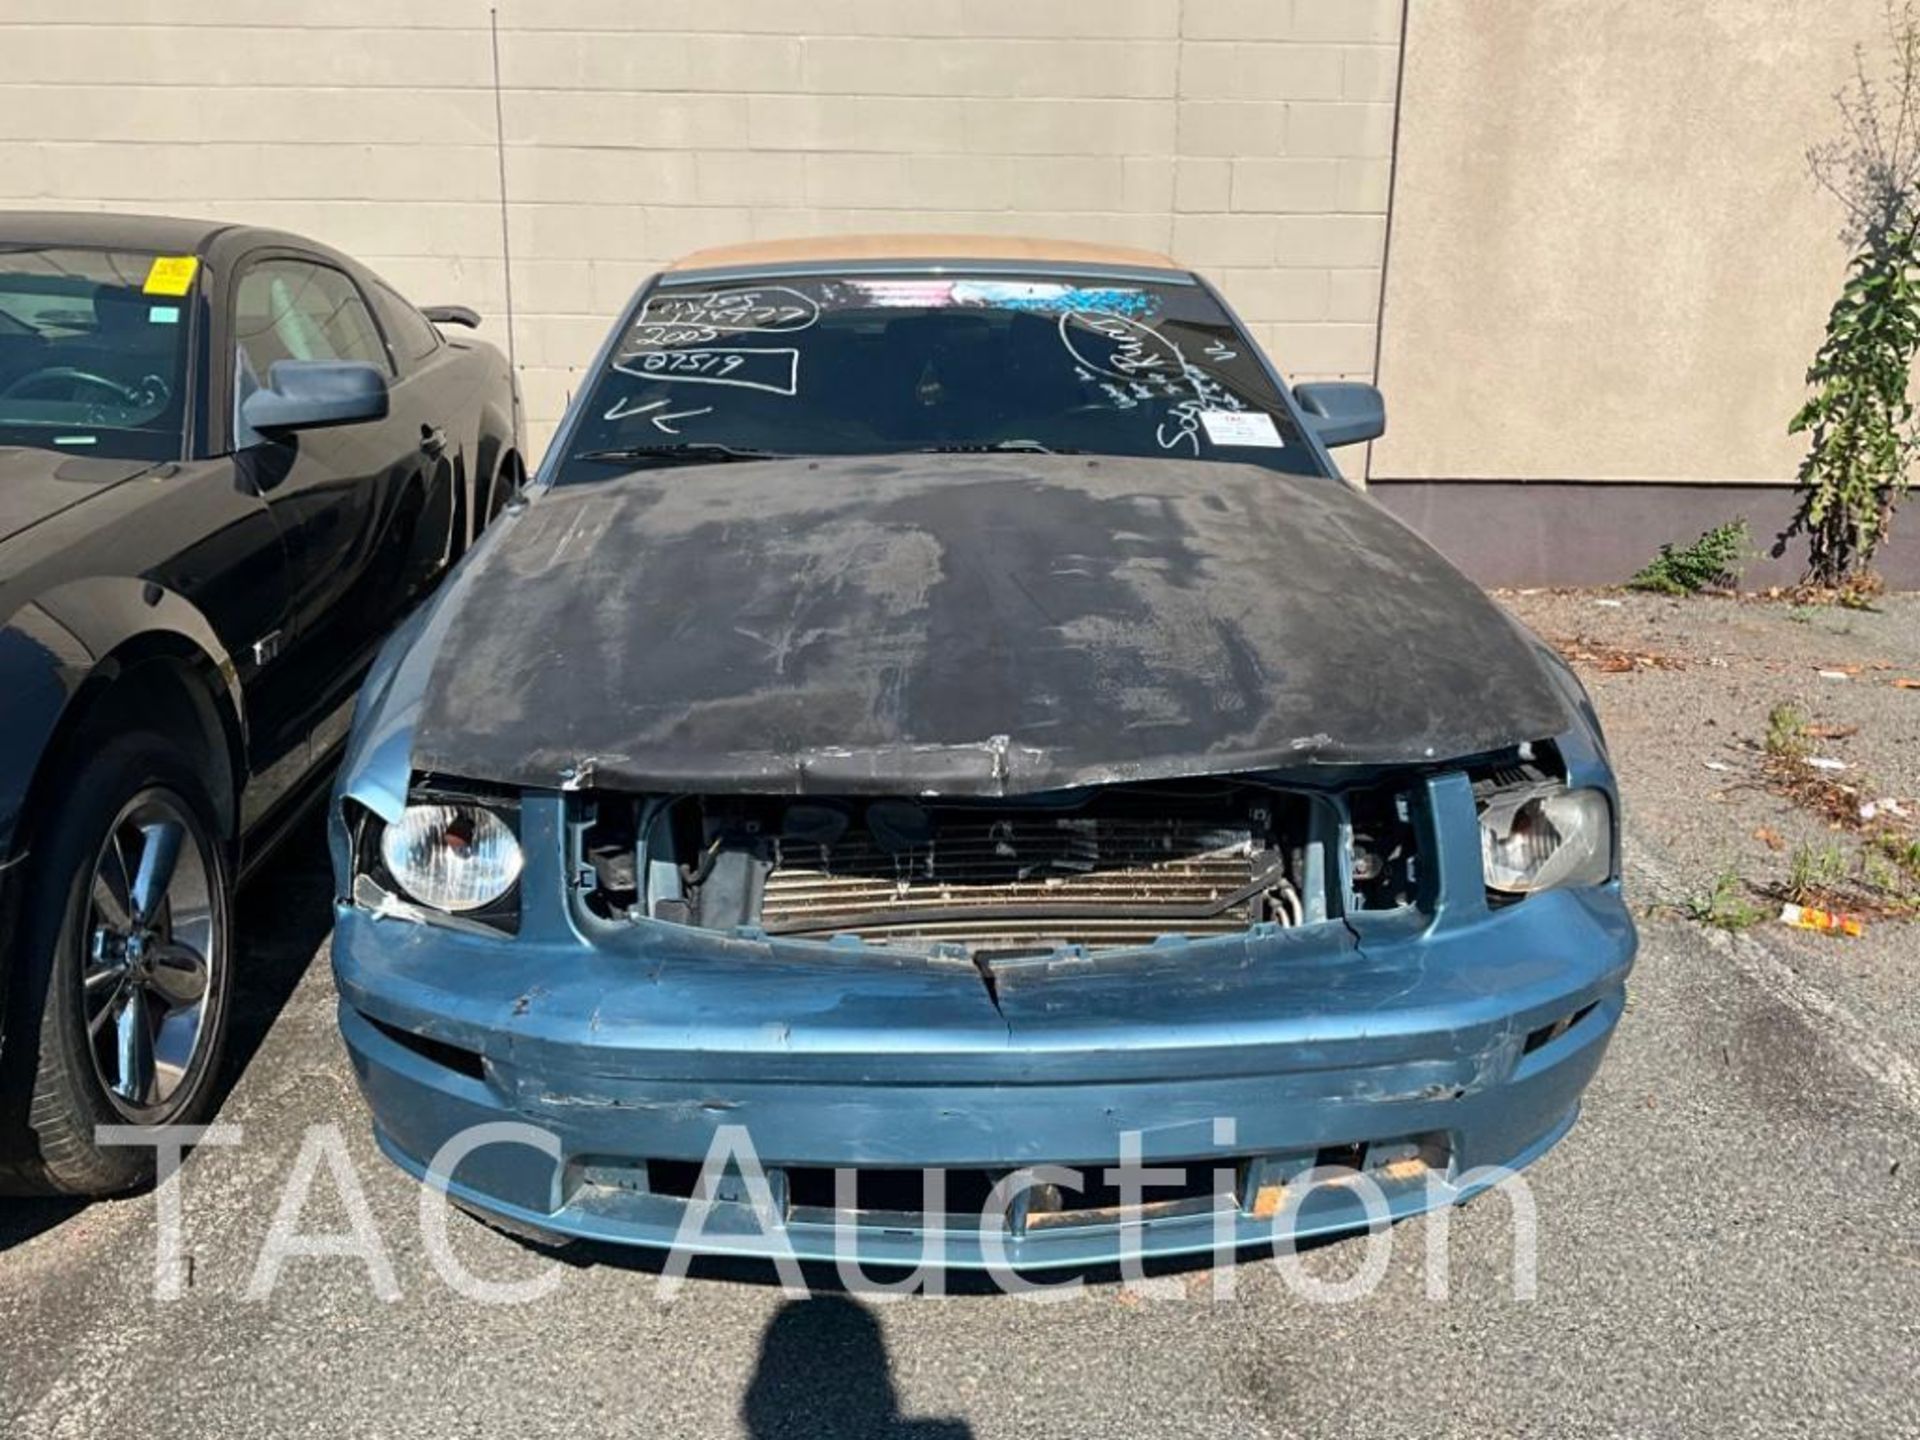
point(885, 364)
point(93, 350)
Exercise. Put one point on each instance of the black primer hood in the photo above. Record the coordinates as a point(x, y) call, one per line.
point(978, 625)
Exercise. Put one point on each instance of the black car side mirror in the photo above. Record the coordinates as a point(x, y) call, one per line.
point(453, 315)
point(1343, 412)
point(311, 394)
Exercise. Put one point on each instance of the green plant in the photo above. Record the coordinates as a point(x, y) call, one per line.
point(1801, 614)
point(1859, 416)
point(1890, 873)
point(1787, 737)
point(1902, 850)
point(1814, 871)
point(1859, 420)
point(1715, 559)
point(1724, 904)
point(1882, 879)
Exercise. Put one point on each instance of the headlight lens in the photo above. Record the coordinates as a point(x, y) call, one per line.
point(452, 857)
point(1564, 837)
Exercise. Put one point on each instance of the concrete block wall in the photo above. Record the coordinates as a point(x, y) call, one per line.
point(1250, 138)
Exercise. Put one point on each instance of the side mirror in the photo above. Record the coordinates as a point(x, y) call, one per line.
point(1343, 412)
point(453, 315)
point(311, 394)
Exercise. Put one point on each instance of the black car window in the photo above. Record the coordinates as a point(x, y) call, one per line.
point(865, 364)
point(414, 337)
point(93, 350)
point(296, 310)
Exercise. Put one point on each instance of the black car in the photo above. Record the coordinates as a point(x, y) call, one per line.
point(230, 460)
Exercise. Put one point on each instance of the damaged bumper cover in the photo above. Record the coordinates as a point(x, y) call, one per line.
point(1420, 1045)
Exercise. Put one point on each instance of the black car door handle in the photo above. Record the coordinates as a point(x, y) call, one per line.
point(432, 441)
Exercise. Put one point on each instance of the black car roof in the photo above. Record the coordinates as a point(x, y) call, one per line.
point(129, 232)
point(161, 234)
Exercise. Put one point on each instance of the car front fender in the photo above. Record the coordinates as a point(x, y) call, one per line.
point(57, 650)
point(76, 637)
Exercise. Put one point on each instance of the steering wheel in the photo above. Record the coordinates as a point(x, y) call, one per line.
point(68, 375)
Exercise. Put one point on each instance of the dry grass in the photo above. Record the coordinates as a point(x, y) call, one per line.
point(1857, 594)
point(1612, 659)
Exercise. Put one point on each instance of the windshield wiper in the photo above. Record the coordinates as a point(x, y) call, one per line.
point(1004, 447)
point(702, 452)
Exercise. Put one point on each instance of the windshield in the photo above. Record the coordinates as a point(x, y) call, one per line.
point(885, 364)
point(93, 350)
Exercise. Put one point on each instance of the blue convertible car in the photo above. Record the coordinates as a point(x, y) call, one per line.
point(940, 727)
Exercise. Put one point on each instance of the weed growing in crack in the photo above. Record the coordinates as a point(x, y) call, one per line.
point(1724, 904)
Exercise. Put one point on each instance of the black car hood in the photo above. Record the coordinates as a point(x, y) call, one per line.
point(36, 485)
point(963, 625)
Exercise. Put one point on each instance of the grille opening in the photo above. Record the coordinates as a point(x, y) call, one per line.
point(900, 1195)
point(452, 1057)
point(680, 1180)
point(890, 1192)
point(1197, 1188)
point(1108, 867)
point(888, 1196)
point(1388, 1161)
point(1414, 1155)
point(1547, 1034)
point(1341, 1157)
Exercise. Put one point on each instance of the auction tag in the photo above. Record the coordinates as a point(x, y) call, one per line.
point(1241, 427)
point(171, 274)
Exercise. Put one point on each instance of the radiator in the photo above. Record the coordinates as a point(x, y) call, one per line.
point(975, 869)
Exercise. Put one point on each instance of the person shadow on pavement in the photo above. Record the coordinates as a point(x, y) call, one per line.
point(823, 1372)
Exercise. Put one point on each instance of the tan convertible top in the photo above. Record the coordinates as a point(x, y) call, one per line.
point(828, 249)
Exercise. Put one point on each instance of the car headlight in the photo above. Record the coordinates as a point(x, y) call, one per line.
point(452, 857)
point(1545, 839)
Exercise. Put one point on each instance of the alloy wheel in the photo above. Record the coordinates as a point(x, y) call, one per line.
point(154, 939)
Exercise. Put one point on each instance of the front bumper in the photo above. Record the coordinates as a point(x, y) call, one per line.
point(1461, 1039)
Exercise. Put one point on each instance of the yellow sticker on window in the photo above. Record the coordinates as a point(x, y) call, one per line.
point(171, 274)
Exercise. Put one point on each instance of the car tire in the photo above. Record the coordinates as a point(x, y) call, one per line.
point(124, 977)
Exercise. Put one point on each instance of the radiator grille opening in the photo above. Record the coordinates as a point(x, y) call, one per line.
point(1019, 880)
point(1116, 866)
point(963, 1195)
